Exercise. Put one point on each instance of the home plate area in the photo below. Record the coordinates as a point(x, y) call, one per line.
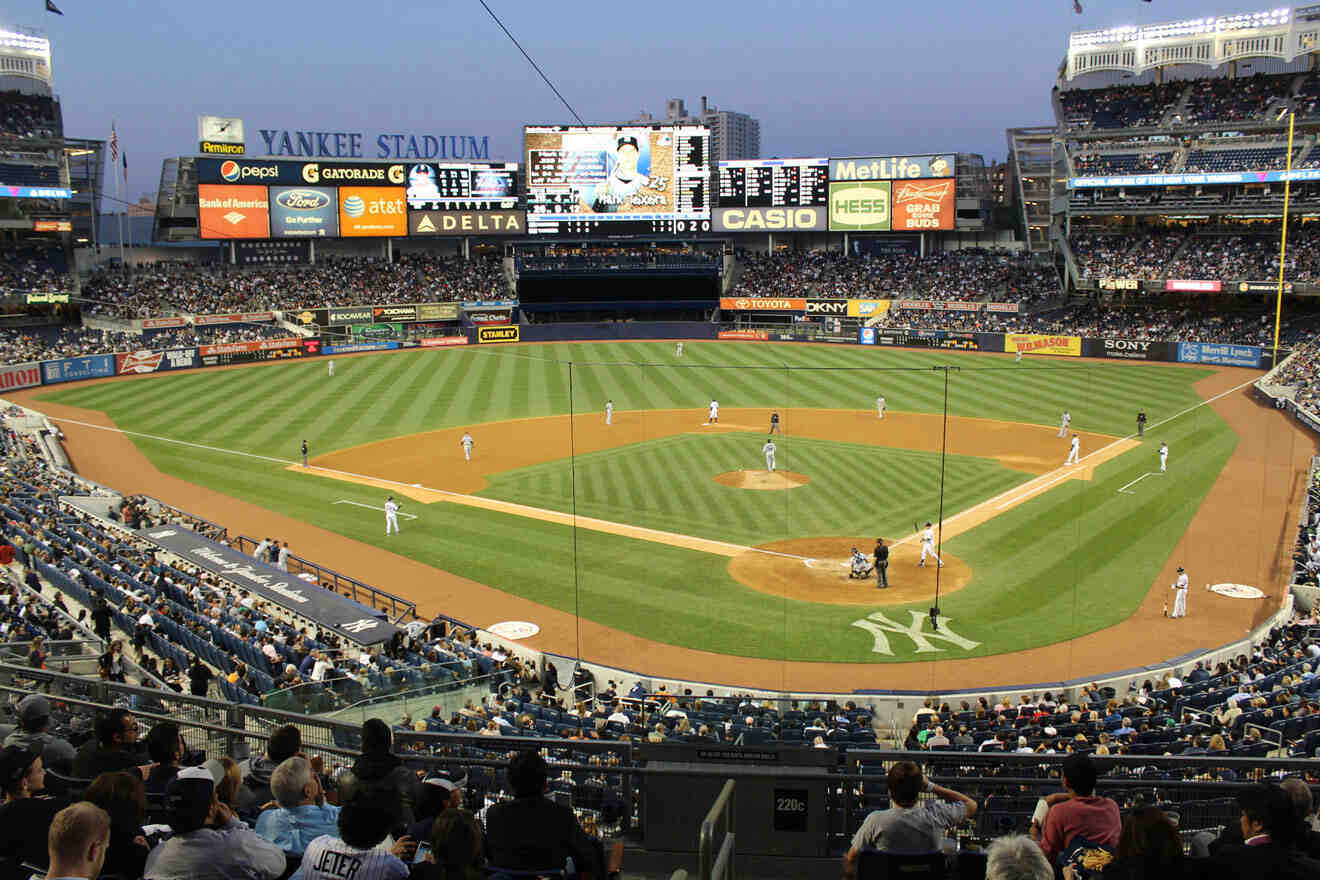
point(817, 569)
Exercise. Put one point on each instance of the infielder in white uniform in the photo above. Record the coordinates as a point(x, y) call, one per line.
point(1073, 450)
point(1179, 588)
point(679, 351)
point(879, 407)
point(1164, 457)
point(332, 368)
point(466, 442)
point(769, 450)
point(1064, 421)
point(714, 411)
point(609, 411)
point(391, 515)
point(928, 546)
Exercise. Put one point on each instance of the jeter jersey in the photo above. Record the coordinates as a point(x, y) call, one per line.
point(329, 858)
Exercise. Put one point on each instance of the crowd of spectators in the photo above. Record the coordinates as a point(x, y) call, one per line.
point(1106, 164)
point(1118, 106)
point(28, 116)
point(169, 288)
point(971, 274)
point(24, 344)
point(29, 267)
point(1235, 99)
point(1151, 254)
point(1124, 255)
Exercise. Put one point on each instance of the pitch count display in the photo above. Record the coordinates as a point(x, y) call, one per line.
point(472, 185)
point(622, 180)
point(774, 183)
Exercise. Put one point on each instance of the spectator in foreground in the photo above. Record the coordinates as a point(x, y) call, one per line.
point(439, 792)
point(1149, 848)
point(906, 827)
point(1271, 831)
point(364, 823)
point(456, 849)
point(378, 769)
point(77, 842)
point(26, 813)
point(124, 800)
point(32, 734)
point(531, 832)
point(165, 747)
point(113, 748)
point(209, 843)
point(302, 815)
point(1076, 813)
point(284, 743)
point(1016, 857)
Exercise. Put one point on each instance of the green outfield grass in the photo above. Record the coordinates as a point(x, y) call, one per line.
point(1070, 561)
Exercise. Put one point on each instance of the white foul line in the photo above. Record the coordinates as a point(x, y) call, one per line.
point(1139, 479)
point(372, 507)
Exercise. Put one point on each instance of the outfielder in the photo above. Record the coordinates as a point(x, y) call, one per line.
point(391, 515)
point(679, 351)
point(1064, 421)
point(609, 411)
point(714, 416)
point(1073, 450)
point(879, 407)
point(466, 442)
point(769, 450)
point(774, 423)
point(1179, 588)
point(332, 368)
point(928, 546)
point(1019, 356)
point(1164, 457)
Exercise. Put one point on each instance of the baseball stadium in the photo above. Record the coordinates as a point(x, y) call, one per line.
point(750, 503)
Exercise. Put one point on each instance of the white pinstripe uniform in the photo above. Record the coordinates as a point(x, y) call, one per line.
point(466, 442)
point(1164, 457)
point(1064, 421)
point(609, 411)
point(391, 516)
point(879, 407)
point(928, 546)
point(1073, 449)
point(714, 411)
point(329, 858)
point(1180, 595)
point(769, 450)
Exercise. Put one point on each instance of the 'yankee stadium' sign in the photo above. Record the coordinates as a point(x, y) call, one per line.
point(348, 145)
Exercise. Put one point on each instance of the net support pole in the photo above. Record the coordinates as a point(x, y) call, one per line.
point(1283, 238)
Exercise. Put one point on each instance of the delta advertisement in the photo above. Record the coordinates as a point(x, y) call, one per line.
point(1036, 343)
point(92, 366)
point(227, 212)
point(372, 211)
point(303, 212)
point(497, 222)
point(1220, 354)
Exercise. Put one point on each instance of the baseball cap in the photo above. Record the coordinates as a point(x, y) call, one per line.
point(628, 140)
point(449, 782)
point(32, 707)
point(188, 798)
point(15, 761)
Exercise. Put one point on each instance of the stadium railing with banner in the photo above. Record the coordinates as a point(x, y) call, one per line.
point(790, 801)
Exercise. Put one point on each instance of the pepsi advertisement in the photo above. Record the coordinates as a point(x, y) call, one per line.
point(273, 172)
point(303, 212)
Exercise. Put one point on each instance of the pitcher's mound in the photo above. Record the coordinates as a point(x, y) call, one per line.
point(816, 570)
point(761, 479)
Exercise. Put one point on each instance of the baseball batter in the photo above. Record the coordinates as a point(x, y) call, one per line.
point(928, 546)
point(391, 515)
point(679, 350)
point(466, 442)
point(879, 407)
point(769, 451)
point(1064, 421)
point(1179, 588)
point(1164, 457)
point(714, 416)
point(332, 368)
point(609, 411)
point(1073, 449)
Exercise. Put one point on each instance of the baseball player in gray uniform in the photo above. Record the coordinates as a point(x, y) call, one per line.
point(769, 450)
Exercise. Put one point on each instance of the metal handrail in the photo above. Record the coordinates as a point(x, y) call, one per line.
point(721, 812)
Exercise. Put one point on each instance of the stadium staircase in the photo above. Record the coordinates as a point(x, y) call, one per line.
point(1177, 108)
point(1176, 255)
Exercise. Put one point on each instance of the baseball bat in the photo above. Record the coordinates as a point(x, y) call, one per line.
point(915, 527)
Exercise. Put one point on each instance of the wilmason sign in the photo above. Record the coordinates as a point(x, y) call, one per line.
point(351, 620)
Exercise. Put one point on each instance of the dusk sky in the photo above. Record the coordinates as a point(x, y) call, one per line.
point(831, 77)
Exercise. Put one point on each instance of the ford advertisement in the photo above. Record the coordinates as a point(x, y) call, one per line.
point(303, 212)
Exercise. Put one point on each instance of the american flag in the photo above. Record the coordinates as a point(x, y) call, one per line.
point(1077, 6)
point(114, 144)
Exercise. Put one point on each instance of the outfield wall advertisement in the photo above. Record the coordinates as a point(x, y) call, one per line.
point(93, 366)
point(1036, 343)
point(16, 376)
point(1220, 354)
point(138, 362)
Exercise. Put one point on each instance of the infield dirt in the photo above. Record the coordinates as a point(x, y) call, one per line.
point(1266, 475)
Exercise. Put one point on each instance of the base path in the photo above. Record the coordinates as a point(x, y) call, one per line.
point(1271, 454)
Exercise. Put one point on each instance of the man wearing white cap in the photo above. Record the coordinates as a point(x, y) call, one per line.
point(1180, 594)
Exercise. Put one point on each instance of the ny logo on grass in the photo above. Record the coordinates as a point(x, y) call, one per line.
point(877, 624)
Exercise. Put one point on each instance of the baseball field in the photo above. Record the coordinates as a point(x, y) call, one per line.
point(659, 542)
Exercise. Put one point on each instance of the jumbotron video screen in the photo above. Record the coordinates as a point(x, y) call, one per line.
point(446, 186)
point(617, 180)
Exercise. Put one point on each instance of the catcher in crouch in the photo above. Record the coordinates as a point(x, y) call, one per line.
point(861, 566)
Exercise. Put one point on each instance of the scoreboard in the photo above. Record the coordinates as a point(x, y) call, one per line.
point(436, 186)
point(618, 180)
point(774, 183)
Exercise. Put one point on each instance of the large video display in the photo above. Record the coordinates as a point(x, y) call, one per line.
point(774, 183)
point(442, 186)
point(623, 180)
